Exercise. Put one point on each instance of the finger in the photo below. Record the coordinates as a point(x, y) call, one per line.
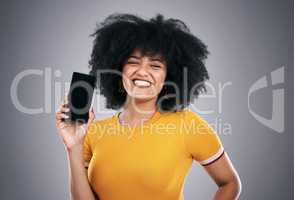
point(91, 117)
point(61, 106)
point(62, 125)
point(64, 109)
point(64, 101)
point(58, 122)
point(61, 116)
point(92, 114)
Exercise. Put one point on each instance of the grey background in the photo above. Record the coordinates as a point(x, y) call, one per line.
point(247, 40)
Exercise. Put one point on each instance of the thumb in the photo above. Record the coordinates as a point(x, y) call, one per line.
point(91, 117)
point(92, 114)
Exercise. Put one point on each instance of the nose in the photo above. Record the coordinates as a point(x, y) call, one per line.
point(143, 70)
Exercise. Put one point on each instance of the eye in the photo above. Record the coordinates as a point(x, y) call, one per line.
point(156, 66)
point(132, 62)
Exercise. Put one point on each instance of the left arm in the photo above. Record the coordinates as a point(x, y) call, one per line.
point(226, 177)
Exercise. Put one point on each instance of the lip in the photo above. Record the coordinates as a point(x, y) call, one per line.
point(133, 81)
point(141, 79)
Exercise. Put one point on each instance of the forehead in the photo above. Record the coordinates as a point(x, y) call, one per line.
point(139, 53)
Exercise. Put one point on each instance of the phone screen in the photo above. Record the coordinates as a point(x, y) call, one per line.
point(80, 96)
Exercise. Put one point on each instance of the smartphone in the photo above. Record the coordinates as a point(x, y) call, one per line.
point(80, 96)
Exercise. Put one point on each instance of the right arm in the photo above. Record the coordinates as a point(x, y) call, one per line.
point(79, 185)
point(73, 135)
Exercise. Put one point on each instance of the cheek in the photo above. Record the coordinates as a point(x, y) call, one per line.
point(160, 79)
point(126, 74)
point(127, 82)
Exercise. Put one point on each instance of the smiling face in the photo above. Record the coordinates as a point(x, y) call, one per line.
point(143, 76)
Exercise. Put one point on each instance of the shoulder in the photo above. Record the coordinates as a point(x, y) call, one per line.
point(195, 122)
point(189, 114)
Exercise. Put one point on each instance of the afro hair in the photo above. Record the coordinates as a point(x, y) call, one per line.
point(120, 34)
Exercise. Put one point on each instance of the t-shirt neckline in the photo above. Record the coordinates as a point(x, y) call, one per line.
point(152, 119)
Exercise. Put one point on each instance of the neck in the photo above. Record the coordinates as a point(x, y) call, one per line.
point(136, 110)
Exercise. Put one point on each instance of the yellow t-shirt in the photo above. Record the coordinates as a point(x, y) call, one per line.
point(149, 161)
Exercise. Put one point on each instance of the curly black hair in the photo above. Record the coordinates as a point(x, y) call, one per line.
point(121, 33)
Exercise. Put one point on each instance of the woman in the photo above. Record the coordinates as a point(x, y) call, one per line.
point(146, 150)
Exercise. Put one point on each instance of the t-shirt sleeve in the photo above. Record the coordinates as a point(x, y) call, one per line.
point(201, 141)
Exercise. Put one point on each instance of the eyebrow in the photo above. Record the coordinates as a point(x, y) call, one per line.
point(153, 59)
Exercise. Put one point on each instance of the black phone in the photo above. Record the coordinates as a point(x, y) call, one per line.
point(80, 96)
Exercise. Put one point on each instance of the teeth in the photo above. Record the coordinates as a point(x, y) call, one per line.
point(141, 83)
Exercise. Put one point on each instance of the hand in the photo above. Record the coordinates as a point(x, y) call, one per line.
point(72, 133)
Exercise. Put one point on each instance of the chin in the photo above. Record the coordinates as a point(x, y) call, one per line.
point(142, 96)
